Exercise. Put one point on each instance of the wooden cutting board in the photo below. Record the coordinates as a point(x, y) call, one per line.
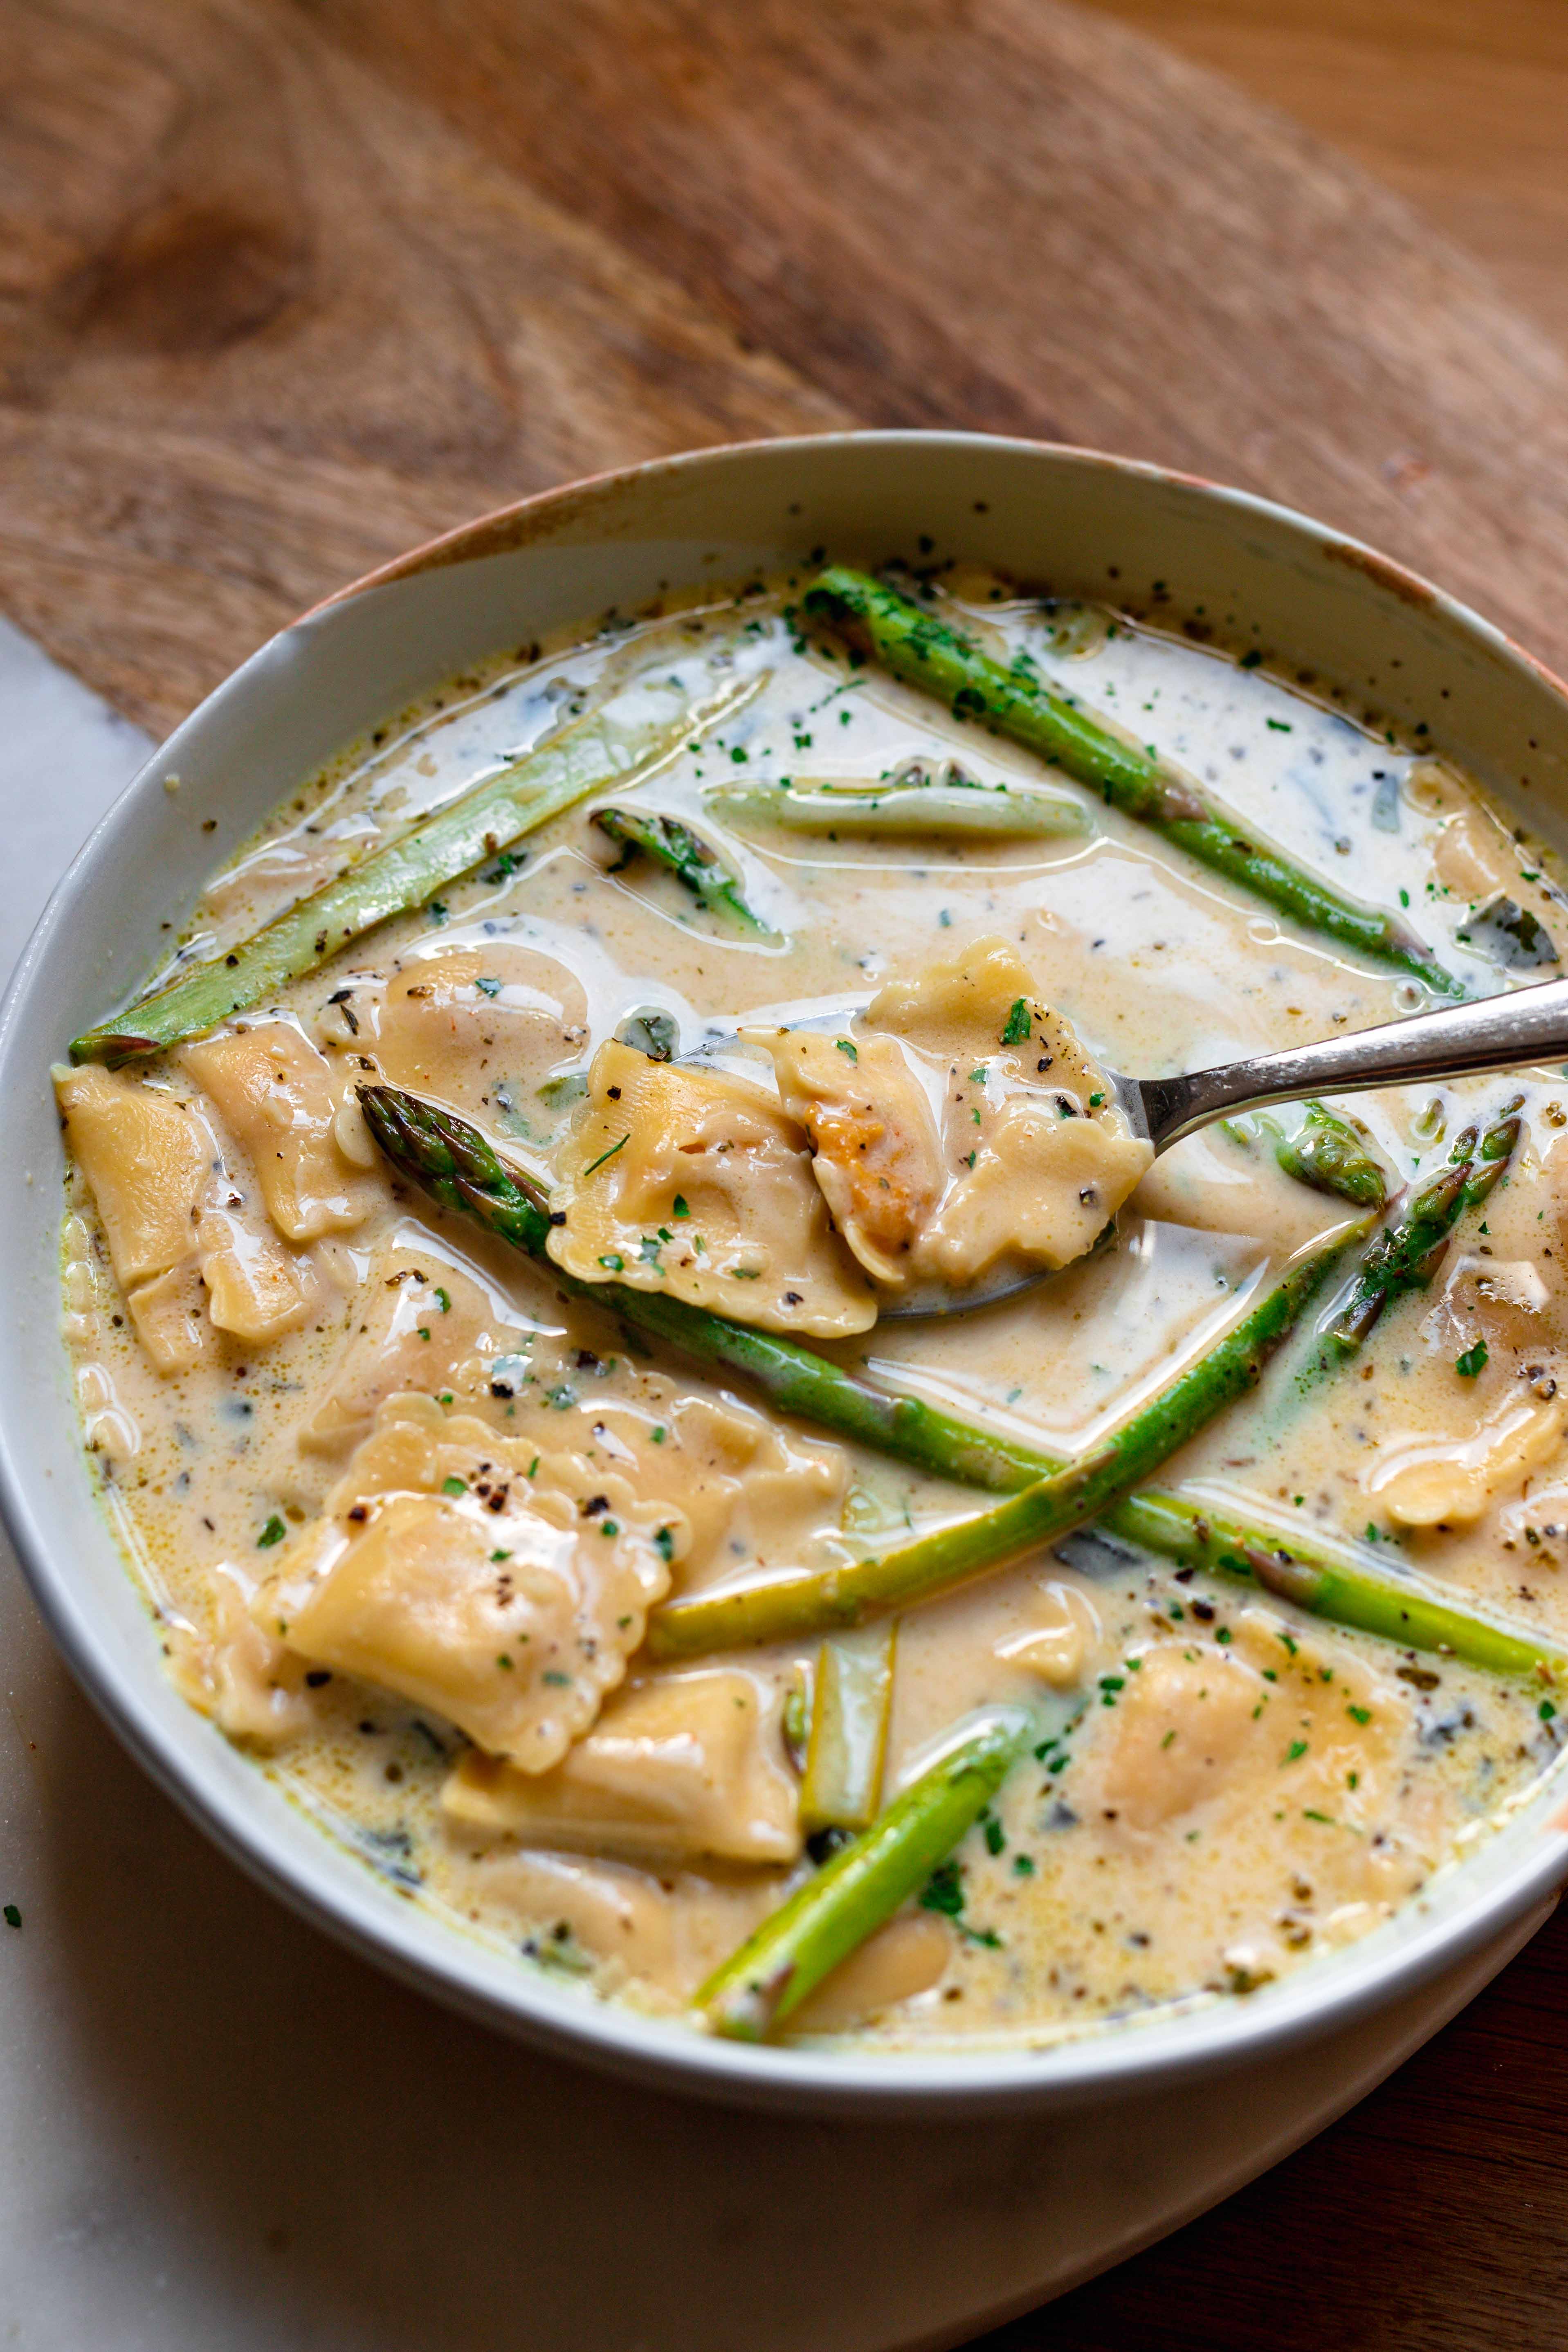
point(284, 288)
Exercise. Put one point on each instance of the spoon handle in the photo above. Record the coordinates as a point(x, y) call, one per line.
point(1497, 1033)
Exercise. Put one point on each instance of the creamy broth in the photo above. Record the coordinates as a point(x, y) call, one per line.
point(272, 1334)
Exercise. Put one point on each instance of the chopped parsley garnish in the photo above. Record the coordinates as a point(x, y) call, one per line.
point(272, 1533)
point(606, 1155)
point(443, 1302)
point(487, 986)
point(943, 1891)
point(11, 1915)
point(1294, 1753)
point(850, 1052)
point(679, 1208)
point(454, 1486)
point(1018, 1023)
point(664, 1540)
point(1472, 1362)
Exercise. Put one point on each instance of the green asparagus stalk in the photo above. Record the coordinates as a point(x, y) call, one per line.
point(580, 759)
point(693, 861)
point(851, 1701)
point(960, 812)
point(454, 1164)
point(828, 1598)
point(925, 652)
point(831, 1915)
point(1405, 1256)
point(1336, 1585)
point(1329, 1155)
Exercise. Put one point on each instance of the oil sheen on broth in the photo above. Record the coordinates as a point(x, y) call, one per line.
point(278, 1337)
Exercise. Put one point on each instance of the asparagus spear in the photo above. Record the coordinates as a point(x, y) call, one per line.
point(580, 759)
point(851, 1701)
point(1329, 1155)
point(454, 1164)
point(826, 1598)
point(1338, 1586)
point(1406, 1257)
point(960, 810)
point(755, 1990)
point(693, 861)
point(925, 652)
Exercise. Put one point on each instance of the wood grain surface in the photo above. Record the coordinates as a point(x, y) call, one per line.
point(1459, 104)
point(286, 285)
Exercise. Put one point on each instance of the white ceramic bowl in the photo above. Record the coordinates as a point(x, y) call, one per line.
point(1086, 525)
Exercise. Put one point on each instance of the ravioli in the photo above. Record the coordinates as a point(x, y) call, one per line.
point(1423, 1482)
point(147, 1161)
point(480, 1028)
point(169, 1317)
point(467, 1572)
point(1197, 1724)
point(257, 1288)
point(238, 1673)
point(743, 1490)
point(698, 1185)
point(170, 1214)
point(1034, 1157)
point(276, 1097)
point(424, 1325)
point(679, 1766)
point(877, 1156)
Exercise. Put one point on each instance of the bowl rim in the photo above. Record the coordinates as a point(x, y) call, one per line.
point(1130, 2056)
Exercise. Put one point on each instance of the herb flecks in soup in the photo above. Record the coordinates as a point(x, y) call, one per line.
point(483, 1260)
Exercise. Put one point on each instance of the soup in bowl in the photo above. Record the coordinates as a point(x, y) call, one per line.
point(660, 1409)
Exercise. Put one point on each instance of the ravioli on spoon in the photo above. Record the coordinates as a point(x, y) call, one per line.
point(958, 1125)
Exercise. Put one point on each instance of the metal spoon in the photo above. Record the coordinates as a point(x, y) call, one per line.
point(1497, 1033)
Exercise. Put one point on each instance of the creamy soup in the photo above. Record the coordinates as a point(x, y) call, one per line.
point(808, 1023)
